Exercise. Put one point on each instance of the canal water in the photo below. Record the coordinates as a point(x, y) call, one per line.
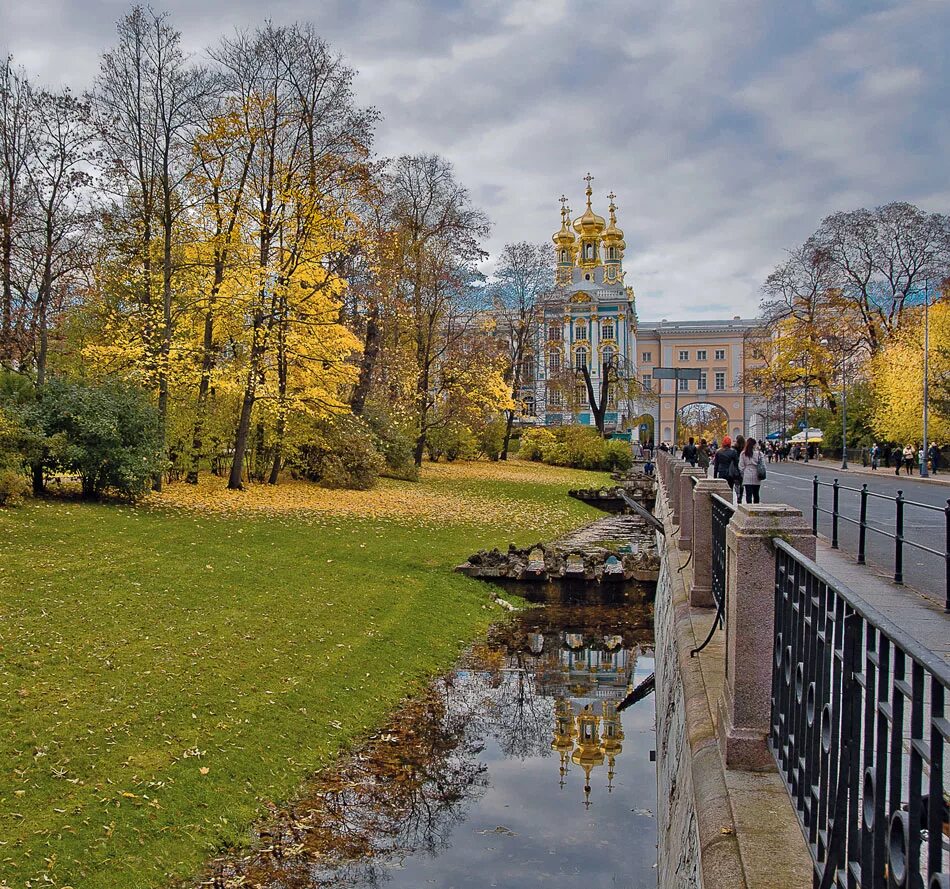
point(515, 770)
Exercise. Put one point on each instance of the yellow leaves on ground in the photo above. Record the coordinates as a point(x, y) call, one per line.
point(448, 493)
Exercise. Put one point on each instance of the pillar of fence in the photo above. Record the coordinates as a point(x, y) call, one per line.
point(700, 594)
point(686, 504)
point(750, 627)
point(676, 470)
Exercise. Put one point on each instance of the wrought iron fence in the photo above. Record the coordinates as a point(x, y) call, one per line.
point(901, 505)
point(722, 511)
point(859, 730)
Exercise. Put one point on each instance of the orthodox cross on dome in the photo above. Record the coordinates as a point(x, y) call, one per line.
point(563, 200)
point(611, 197)
point(588, 179)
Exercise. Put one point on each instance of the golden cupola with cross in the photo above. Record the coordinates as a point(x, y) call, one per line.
point(565, 245)
point(589, 227)
point(613, 246)
point(589, 250)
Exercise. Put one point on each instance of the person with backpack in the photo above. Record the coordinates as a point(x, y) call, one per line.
point(726, 463)
point(752, 467)
point(690, 452)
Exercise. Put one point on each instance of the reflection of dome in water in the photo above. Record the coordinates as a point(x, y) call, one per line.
point(587, 740)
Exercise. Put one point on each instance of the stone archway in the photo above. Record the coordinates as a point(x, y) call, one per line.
point(640, 434)
point(702, 419)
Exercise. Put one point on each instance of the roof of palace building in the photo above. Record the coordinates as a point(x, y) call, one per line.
point(714, 326)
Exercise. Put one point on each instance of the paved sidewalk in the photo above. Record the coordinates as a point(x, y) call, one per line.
point(916, 614)
point(832, 465)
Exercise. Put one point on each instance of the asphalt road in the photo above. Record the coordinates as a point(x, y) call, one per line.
point(792, 483)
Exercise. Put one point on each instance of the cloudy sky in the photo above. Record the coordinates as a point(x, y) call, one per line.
point(727, 128)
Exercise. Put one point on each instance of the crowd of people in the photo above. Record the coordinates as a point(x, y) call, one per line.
point(742, 463)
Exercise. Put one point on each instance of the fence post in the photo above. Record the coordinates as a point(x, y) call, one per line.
point(899, 539)
point(946, 512)
point(814, 507)
point(744, 707)
point(863, 524)
point(676, 470)
point(700, 595)
point(686, 505)
point(834, 515)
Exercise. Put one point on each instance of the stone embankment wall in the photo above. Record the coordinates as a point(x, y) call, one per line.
point(676, 814)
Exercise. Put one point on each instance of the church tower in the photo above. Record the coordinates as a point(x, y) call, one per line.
point(566, 245)
point(613, 245)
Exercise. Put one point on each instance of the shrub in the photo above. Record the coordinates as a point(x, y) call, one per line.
point(108, 434)
point(454, 441)
point(579, 447)
point(397, 445)
point(13, 487)
point(490, 437)
point(533, 442)
point(338, 452)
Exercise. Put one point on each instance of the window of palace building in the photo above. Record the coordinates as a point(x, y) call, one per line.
point(720, 354)
point(702, 381)
point(701, 356)
point(720, 380)
point(684, 355)
point(646, 357)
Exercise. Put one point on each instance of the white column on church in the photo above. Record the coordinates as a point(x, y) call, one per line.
point(593, 328)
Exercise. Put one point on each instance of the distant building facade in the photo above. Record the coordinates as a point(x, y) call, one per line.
point(590, 320)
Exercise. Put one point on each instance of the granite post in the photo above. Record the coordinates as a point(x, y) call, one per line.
point(700, 595)
point(673, 491)
point(686, 504)
point(744, 706)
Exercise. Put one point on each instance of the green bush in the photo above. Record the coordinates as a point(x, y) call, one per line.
point(108, 434)
point(396, 445)
point(490, 437)
point(453, 441)
point(578, 447)
point(13, 487)
point(533, 442)
point(338, 452)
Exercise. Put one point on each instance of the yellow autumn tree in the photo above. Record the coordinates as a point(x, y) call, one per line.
point(897, 378)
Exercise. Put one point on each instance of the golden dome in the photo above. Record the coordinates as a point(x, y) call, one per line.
point(614, 234)
point(590, 224)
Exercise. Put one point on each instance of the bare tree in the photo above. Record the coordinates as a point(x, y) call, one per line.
point(16, 102)
point(524, 275)
point(441, 233)
point(150, 100)
point(882, 258)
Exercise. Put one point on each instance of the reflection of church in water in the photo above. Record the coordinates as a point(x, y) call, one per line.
point(588, 677)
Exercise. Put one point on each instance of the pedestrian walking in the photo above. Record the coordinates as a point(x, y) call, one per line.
point(752, 467)
point(934, 457)
point(691, 452)
point(726, 463)
point(739, 446)
point(864, 456)
point(875, 455)
point(702, 456)
point(909, 455)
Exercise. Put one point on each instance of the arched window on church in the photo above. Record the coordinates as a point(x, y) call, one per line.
point(528, 408)
point(580, 358)
point(580, 330)
point(563, 256)
point(590, 251)
point(607, 329)
point(554, 332)
point(608, 356)
point(554, 361)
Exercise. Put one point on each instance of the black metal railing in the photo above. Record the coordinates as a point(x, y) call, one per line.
point(722, 512)
point(901, 504)
point(859, 730)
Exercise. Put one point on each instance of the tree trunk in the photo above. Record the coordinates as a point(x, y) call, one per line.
point(370, 354)
point(204, 387)
point(6, 272)
point(236, 478)
point(508, 427)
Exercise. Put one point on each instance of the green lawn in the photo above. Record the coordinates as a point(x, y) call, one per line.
point(168, 669)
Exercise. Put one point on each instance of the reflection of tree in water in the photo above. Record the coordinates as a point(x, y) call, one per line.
point(406, 789)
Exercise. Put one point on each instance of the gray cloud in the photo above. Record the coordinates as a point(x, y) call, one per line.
point(727, 130)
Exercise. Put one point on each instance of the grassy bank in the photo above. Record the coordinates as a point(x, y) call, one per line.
point(166, 670)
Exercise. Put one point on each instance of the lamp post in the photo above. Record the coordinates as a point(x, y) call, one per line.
point(924, 473)
point(844, 416)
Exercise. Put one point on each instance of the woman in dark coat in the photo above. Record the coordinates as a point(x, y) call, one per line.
point(726, 463)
